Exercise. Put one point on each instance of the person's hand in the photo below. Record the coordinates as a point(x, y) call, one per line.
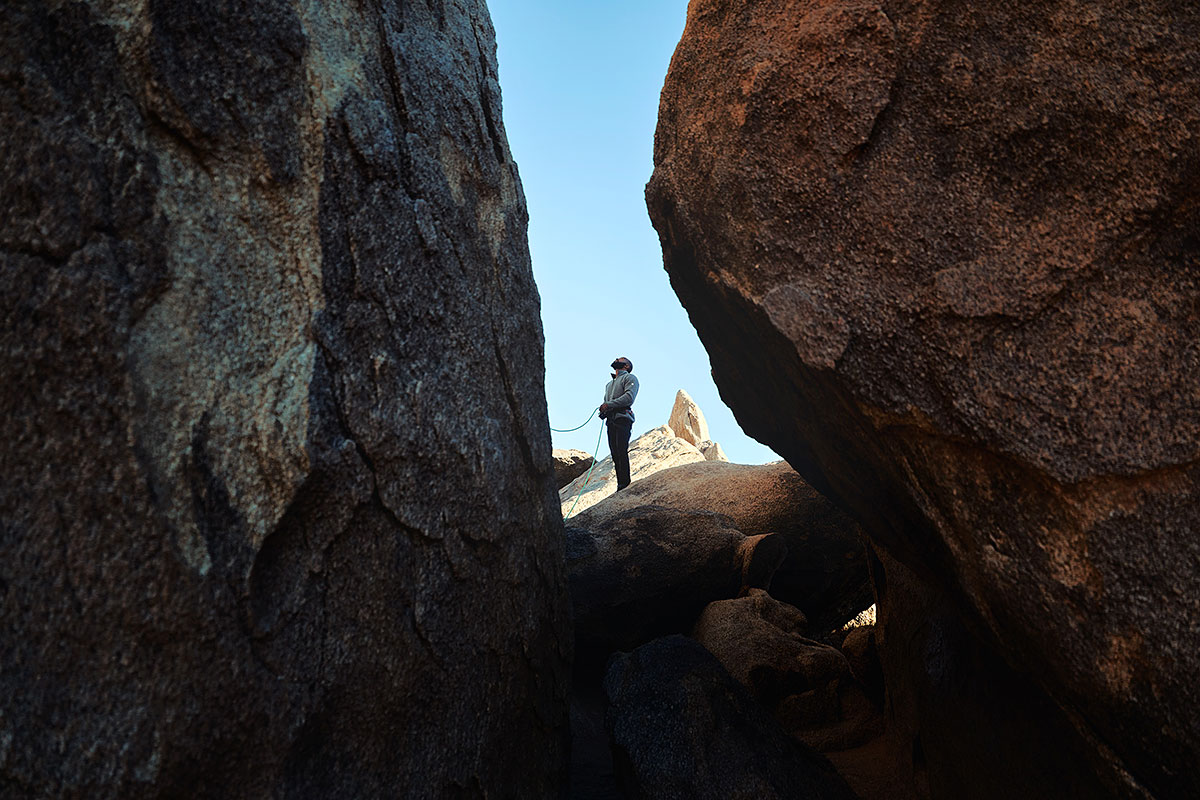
point(604, 408)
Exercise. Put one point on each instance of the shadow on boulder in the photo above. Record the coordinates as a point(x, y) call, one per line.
point(825, 574)
point(683, 728)
point(650, 571)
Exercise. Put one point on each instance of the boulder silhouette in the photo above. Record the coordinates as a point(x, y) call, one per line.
point(650, 571)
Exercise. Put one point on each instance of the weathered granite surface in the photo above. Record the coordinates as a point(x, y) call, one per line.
point(569, 465)
point(687, 420)
point(944, 258)
point(655, 450)
point(825, 573)
point(650, 571)
point(683, 729)
point(966, 723)
point(277, 517)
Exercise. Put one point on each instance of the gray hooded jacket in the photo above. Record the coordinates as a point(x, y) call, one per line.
point(620, 394)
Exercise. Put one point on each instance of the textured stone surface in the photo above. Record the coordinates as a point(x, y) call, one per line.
point(683, 729)
point(592, 776)
point(712, 451)
point(806, 684)
point(825, 573)
point(650, 571)
point(967, 724)
point(653, 451)
point(687, 420)
point(837, 717)
point(569, 465)
point(760, 642)
point(761, 556)
point(276, 519)
point(944, 260)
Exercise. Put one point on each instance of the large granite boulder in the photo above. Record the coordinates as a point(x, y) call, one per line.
point(277, 518)
point(650, 572)
point(944, 260)
point(683, 729)
point(806, 684)
point(825, 574)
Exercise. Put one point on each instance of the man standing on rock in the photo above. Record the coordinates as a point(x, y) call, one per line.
point(617, 408)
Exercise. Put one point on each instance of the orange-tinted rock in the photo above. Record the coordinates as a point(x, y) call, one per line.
point(860, 649)
point(837, 716)
point(945, 260)
point(761, 556)
point(760, 642)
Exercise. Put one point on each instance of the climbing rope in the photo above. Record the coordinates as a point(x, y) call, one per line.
point(585, 422)
point(588, 477)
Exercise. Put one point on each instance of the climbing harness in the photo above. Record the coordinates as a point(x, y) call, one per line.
point(585, 422)
point(588, 477)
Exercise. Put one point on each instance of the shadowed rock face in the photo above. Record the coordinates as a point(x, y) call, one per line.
point(681, 727)
point(946, 690)
point(760, 642)
point(825, 573)
point(945, 261)
point(650, 571)
point(277, 516)
point(569, 465)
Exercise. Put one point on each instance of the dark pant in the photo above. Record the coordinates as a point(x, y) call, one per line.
point(619, 429)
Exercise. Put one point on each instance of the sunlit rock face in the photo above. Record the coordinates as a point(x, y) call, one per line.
point(944, 260)
point(278, 512)
point(687, 420)
point(683, 440)
point(655, 450)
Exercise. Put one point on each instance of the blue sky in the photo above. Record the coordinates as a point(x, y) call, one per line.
point(580, 82)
